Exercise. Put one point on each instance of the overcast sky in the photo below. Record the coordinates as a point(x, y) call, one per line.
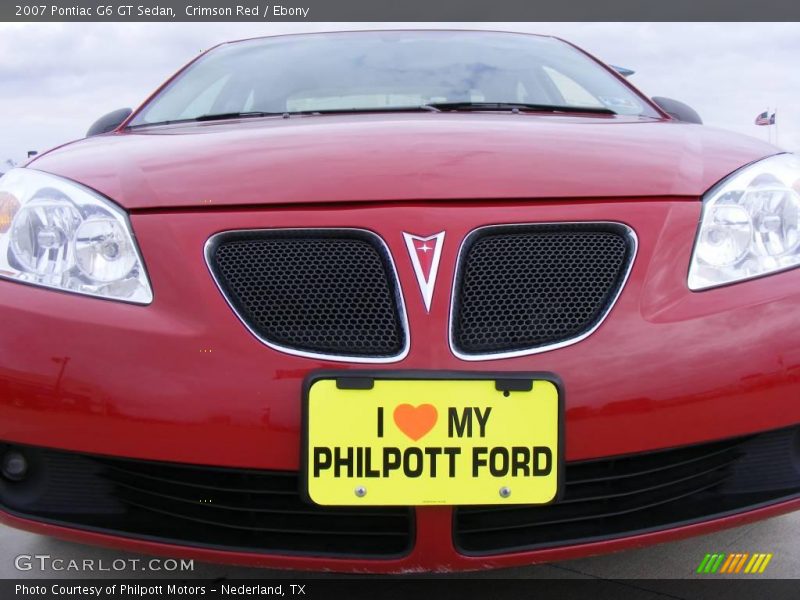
point(56, 79)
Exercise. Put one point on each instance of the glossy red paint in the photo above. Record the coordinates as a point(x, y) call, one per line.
point(402, 157)
point(183, 380)
point(89, 384)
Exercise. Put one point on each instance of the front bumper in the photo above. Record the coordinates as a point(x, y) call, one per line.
point(183, 381)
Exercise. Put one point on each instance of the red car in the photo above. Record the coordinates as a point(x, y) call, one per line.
point(399, 301)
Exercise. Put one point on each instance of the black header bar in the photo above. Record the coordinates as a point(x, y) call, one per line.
point(402, 588)
point(397, 10)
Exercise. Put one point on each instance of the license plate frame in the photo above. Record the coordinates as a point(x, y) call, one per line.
point(506, 382)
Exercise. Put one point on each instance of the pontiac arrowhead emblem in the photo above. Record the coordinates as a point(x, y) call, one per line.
point(425, 253)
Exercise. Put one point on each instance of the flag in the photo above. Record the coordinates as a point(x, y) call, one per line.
point(772, 119)
point(763, 118)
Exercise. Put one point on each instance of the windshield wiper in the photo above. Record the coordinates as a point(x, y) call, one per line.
point(429, 107)
point(236, 115)
point(287, 114)
point(210, 117)
point(519, 107)
point(371, 109)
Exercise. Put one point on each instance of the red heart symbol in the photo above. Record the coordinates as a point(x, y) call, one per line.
point(415, 421)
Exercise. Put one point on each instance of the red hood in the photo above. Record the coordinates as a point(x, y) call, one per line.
point(402, 157)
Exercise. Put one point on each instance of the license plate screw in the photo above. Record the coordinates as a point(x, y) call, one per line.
point(361, 491)
point(505, 492)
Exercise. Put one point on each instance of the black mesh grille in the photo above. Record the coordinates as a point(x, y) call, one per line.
point(327, 292)
point(523, 287)
point(620, 496)
point(261, 511)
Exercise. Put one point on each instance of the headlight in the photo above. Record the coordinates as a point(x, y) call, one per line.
point(59, 234)
point(750, 224)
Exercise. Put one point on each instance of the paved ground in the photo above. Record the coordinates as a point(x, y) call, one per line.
point(672, 560)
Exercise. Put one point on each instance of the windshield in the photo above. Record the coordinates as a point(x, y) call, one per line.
point(385, 70)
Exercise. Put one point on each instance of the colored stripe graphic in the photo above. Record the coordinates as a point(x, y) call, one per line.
point(754, 564)
point(741, 561)
point(719, 562)
point(765, 563)
point(737, 562)
point(713, 563)
point(703, 563)
point(730, 564)
point(727, 565)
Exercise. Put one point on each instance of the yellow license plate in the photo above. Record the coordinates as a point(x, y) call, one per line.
point(408, 441)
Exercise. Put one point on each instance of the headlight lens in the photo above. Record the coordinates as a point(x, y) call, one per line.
point(750, 225)
point(59, 234)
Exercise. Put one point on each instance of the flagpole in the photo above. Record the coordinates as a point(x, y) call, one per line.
point(775, 115)
point(769, 129)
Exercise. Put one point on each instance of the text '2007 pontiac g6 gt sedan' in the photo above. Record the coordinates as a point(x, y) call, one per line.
point(399, 301)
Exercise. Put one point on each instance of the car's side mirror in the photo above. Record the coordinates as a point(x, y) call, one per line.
point(109, 122)
point(678, 110)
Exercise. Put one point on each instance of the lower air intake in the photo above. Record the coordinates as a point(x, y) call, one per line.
point(233, 509)
point(626, 495)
